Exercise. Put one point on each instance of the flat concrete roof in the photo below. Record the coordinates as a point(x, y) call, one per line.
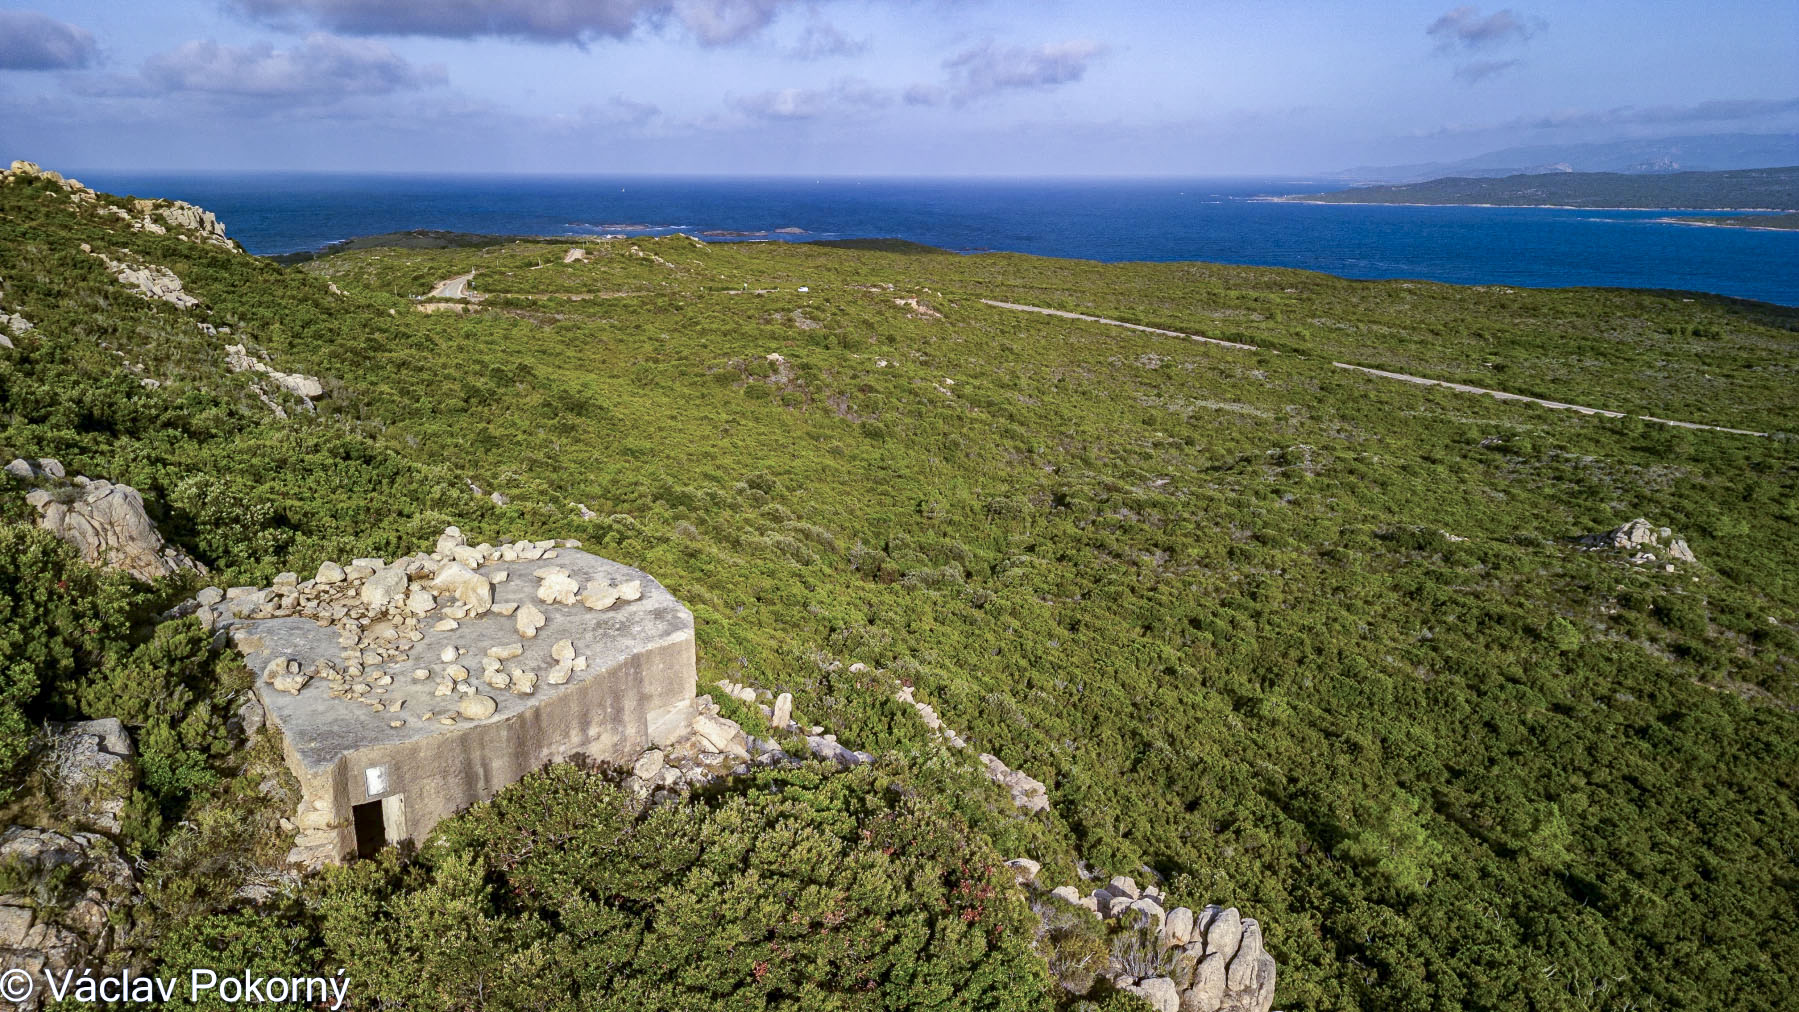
point(320, 728)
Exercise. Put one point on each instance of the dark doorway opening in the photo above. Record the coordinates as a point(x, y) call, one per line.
point(371, 829)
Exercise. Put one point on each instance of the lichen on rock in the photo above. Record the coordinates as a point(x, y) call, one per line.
point(89, 770)
point(105, 522)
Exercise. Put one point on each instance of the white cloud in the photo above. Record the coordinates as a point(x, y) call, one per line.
point(845, 96)
point(1479, 70)
point(716, 22)
point(613, 113)
point(712, 22)
point(988, 69)
point(1464, 31)
point(320, 66)
point(821, 40)
point(1464, 27)
point(33, 41)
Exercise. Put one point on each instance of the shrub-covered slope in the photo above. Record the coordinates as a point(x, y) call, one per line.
point(1313, 643)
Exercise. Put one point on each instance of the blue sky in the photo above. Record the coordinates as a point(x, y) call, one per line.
point(871, 87)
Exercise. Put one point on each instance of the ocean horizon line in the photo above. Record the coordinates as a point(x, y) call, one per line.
point(1112, 220)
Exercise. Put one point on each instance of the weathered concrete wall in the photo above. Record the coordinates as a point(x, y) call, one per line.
point(611, 715)
point(348, 702)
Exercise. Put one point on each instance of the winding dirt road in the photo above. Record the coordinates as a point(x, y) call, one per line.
point(1382, 373)
point(1502, 395)
point(1121, 323)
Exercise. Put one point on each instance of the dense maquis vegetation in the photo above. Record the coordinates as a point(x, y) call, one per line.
point(1731, 189)
point(794, 890)
point(1308, 642)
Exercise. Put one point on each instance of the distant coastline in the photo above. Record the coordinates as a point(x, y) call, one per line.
point(1314, 199)
point(1788, 222)
point(1736, 190)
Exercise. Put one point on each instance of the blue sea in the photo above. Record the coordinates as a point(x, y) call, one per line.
point(1202, 219)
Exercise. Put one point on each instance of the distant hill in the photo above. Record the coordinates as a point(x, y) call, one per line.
point(1704, 153)
point(1740, 189)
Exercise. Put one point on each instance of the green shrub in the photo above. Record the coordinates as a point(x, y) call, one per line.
point(787, 890)
point(226, 524)
point(1562, 634)
point(56, 615)
point(1073, 943)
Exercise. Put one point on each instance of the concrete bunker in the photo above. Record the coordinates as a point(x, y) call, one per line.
point(406, 691)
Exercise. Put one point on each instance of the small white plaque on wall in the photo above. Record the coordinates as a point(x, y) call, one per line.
point(376, 780)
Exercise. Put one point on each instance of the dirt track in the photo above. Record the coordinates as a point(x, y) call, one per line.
point(1402, 377)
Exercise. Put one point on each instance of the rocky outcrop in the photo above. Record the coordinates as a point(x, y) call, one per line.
point(14, 324)
point(778, 709)
point(75, 927)
point(27, 172)
point(722, 735)
point(928, 714)
point(1160, 992)
point(718, 747)
point(651, 257)
point(105, 522)
point(1177, 959)
point(1647, 544)
point(198, 221)
point(574, 253)
point(918, 310)
point(307, 388)
point(189, 223)
point(147, 281)
point(88, 769)
point(1027, 794)
point(11, 323)
point(43, 468)
point(715, 748)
